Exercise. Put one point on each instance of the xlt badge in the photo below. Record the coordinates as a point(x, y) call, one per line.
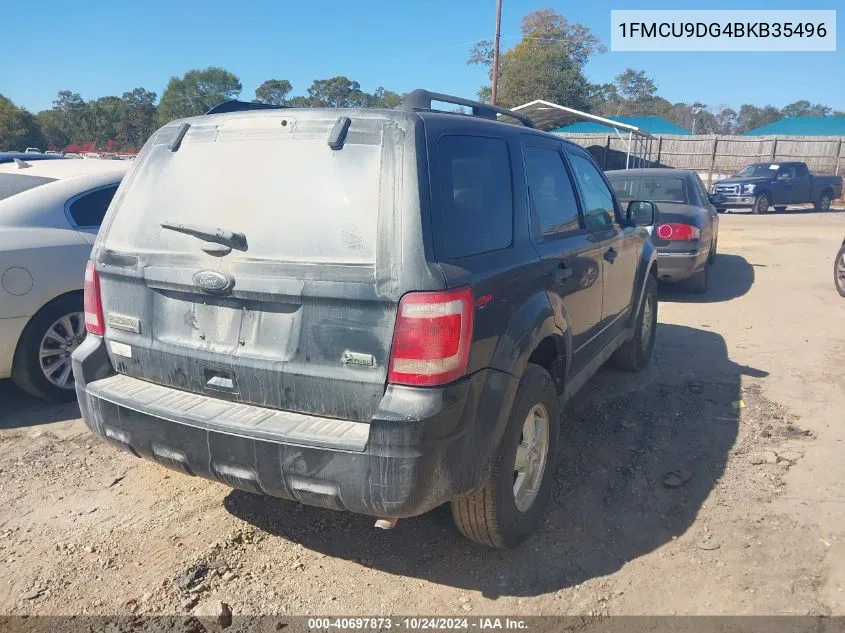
point(357, 358)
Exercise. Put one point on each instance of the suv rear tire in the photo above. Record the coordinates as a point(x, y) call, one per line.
point(636, 353)
point(499, 514)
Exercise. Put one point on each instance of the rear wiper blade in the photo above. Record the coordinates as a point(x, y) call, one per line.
point(209, 234)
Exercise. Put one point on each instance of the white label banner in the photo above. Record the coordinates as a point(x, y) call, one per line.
point(707, 30)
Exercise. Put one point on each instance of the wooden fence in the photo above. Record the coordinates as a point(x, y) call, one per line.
point(716, 157)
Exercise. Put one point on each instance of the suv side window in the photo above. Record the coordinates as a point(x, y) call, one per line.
point(554, 207)
point(89, 209)
point(599, 210)
point(476, 196)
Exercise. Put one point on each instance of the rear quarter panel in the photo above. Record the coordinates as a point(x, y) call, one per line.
point(820, 183)
point(54, 259)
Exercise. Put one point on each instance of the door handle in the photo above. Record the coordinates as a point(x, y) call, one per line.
point(610, 254)
point(563, 271)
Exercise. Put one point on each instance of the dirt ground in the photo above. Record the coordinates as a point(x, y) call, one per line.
point(711, 483)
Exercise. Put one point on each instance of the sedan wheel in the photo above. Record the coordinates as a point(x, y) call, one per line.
point(839, 271)
point(57, 345)
point(42, 363)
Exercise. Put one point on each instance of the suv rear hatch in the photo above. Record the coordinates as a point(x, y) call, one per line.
point(241, 261)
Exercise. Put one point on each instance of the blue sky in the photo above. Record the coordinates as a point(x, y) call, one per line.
point(106, 47)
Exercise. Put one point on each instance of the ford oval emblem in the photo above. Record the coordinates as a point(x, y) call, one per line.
point(213, 281)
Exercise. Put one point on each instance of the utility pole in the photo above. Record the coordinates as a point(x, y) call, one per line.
point(495, 90)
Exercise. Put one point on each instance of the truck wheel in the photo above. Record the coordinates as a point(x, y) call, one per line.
point(636, 353)
point(761, 204)
point(506, 509)
point(780, 209)
point(839, 271)
point(41, 365)
point(823, 203)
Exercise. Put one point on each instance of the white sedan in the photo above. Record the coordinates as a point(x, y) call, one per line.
point(50, 212)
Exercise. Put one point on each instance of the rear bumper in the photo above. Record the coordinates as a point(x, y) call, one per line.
point(422, 447)
point(677, 266)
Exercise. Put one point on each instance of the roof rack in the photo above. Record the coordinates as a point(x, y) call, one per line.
point(420, 99)
point(237, 106)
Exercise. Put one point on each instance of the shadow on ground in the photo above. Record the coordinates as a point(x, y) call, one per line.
point(627, 440)
point(731, 276)
point(19, 409)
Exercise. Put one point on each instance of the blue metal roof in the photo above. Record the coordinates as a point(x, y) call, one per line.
point(802, 126)
point(650, 124)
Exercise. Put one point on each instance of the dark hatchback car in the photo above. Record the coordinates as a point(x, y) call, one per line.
point(687, 231)
point(379, 311)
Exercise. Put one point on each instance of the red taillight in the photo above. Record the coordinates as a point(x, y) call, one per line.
point(93, 306)
point(432, 337)
point(678, 232)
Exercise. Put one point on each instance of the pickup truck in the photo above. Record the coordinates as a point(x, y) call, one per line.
point(762, 185)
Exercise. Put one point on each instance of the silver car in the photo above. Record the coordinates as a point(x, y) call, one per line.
point(50, 212)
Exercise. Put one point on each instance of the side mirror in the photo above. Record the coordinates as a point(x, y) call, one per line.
point(717, 198)
point(784, 177)
point(641, 213)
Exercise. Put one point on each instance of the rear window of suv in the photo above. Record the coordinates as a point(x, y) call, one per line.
point(292, 196)
point(476, 214)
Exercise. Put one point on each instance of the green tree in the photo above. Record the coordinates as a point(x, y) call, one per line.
point(383, 98)
point(805, 108)
point(336, 92)
point(751, 116)
point(103, 116)
point(603, 98)
point(197, 92)
point(547, 63)
point(139, 118)
point(72, 116)
point(18, 127)
point(53, 128)
point(695, 117)
point(542, 72)
point(300, 101)
point(273, 91)
point(726, 121)
point(635, 85)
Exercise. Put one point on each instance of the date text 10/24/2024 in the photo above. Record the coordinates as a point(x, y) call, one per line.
point(417, 624)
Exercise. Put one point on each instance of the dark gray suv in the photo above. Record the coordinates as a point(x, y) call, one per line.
point(366, 310)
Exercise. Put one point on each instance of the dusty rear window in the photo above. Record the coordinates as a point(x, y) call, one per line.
point(293, 197)
point(13, 184)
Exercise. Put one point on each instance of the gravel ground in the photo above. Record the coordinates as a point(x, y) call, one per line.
point(708, 484)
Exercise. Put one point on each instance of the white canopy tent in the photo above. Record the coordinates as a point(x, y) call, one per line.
point(548, 116)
